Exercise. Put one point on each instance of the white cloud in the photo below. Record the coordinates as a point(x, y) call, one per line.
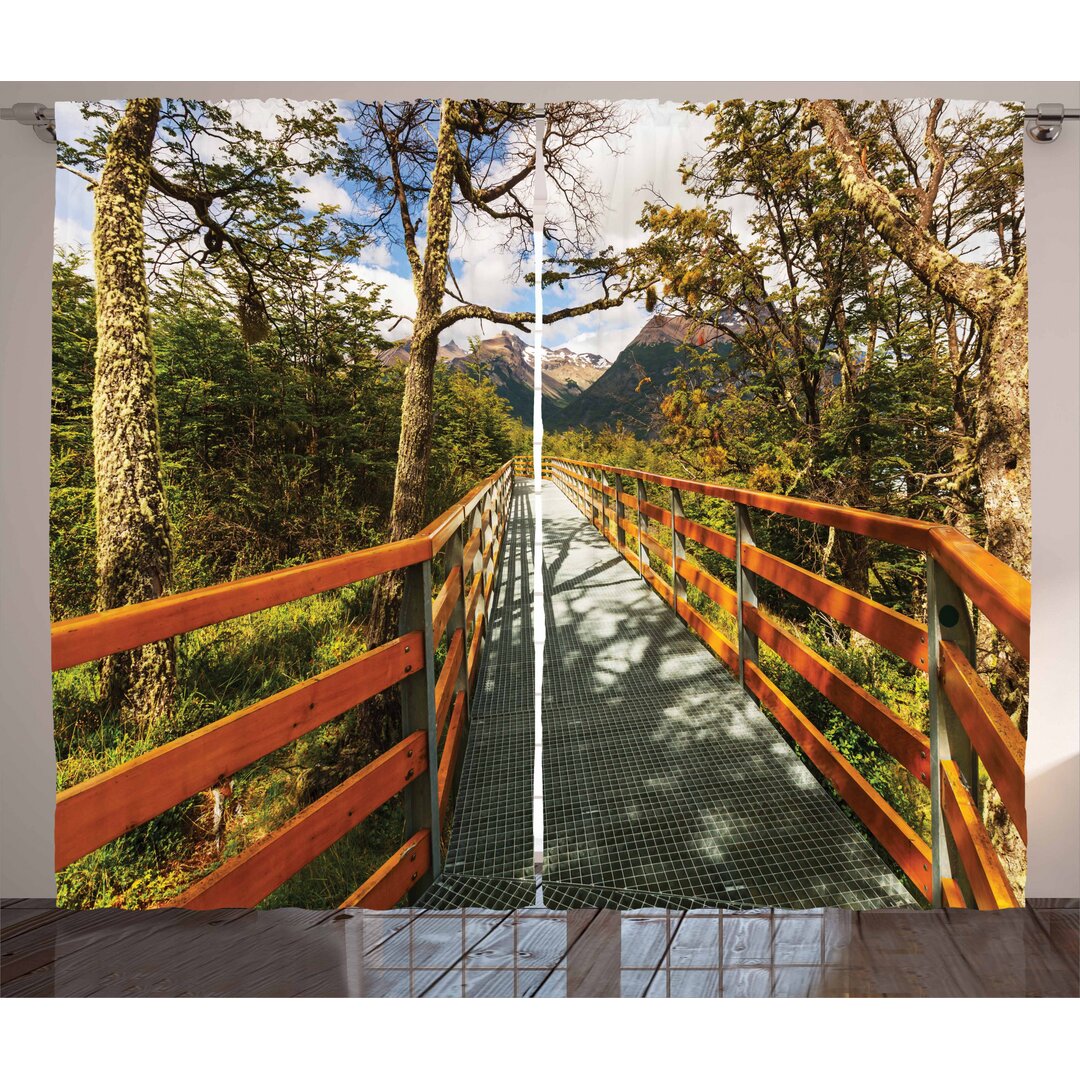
point(486, 272)
point(604, 332)
point(71, 233)
point(320, 190)
point(660, 136)
point(377, 255)
point(397, 291)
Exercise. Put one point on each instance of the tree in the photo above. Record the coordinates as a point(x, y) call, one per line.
point(134, 552)
point(817, 379)
point(194, 172)
point(226, 197)
point(996, 299)
point(475, 168)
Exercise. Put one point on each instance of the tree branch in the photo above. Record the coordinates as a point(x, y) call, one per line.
point(75, 172)
point(520, 319)
point(978, 290)
point(408, 229)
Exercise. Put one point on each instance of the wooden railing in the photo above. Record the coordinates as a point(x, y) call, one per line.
point(522, 467)
point(966, 724)
point(423, 764)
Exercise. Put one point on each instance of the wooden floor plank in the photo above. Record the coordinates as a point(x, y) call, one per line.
point(289, 952)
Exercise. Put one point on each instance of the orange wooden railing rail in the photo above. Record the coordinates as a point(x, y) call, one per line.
point(966, 724)
point(466, 541)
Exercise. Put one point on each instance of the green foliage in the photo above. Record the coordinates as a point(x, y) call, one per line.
point(71, 481)
point(274, 453)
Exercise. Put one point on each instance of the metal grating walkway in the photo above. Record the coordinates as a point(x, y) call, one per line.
point(664, 783)
point(489, 863)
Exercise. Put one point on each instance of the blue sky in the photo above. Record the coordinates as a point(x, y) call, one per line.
point(660, 136)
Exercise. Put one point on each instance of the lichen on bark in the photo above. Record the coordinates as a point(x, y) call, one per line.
point(417, 417)
point(134, 550)
point(998, 304)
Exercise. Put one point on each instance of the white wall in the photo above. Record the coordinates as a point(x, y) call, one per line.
point(27, 768)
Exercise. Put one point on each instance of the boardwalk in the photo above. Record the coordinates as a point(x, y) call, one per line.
point(664, 784)
point(490, 860)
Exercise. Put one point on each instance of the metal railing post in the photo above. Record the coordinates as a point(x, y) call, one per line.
point(455, 556)
point(620, 532)
point(947, 619)
point(603, 504)
point(486, 534)
point(678, 551)
point(746, 591)
point(476, 521)
point(640, 523)
point(418, 714)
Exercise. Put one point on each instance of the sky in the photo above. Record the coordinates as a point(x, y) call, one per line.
point(659, 137)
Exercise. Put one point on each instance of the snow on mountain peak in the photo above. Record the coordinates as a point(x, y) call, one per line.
point(563, 355)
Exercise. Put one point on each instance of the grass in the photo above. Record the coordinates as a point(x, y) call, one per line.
point(222, 669)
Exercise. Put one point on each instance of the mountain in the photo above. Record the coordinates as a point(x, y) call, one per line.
point(398, 353)
point(632, 388)
point(567, 373)
point(508, 363)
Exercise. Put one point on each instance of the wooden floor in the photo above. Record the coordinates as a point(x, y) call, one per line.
point(1028, 952)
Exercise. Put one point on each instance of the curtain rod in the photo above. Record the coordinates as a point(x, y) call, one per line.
point(40, 117)
point(1044, 125)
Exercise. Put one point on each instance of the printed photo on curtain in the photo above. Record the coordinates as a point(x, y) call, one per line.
point(808, 440)
point(785, 506)
point(288, 337)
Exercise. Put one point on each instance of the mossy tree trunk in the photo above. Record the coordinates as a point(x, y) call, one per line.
point(134, 552)
point(407, 511)
point(998, 304)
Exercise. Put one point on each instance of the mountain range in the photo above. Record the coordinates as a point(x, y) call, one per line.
point(632, 388)
point(509, 364)
point(584, 389)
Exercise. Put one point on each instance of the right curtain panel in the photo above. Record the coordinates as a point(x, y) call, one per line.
point(785, 360)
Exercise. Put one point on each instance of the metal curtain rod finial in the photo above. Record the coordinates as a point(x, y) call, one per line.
point(1046, 118)
point(42, 118)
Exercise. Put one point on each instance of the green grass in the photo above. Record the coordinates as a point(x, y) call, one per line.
point(222, 669)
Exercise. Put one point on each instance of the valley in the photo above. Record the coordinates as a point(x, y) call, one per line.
point(584, 389)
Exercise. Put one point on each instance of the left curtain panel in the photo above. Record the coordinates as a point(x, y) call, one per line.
point(283, 332)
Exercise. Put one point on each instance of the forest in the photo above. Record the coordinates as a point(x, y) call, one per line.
point(231, 396)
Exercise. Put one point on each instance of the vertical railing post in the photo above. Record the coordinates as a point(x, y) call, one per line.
point(620, 532)
point(592, 496)
point(455, 557)
point(418, 714)
point(486, 532)
point(678, 551)
point(640, 525)
point(603, 504)
point(476, 521)
point(947, 619)
point(746, 591)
